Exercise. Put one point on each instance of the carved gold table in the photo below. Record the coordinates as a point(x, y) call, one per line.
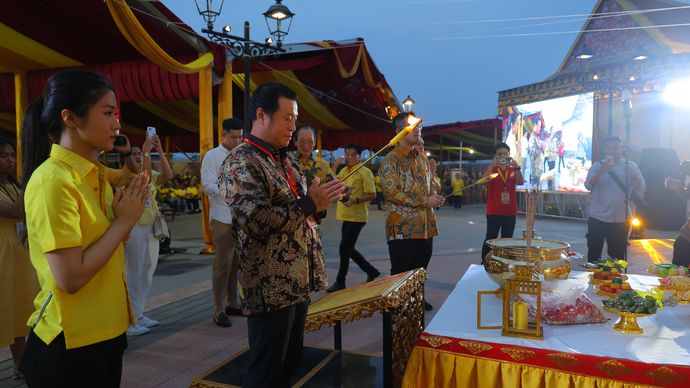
point(399, 298)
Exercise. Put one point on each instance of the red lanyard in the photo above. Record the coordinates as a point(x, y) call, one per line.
point(289, 177)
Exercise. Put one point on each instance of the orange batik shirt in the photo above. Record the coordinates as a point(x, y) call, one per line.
point(406, 182)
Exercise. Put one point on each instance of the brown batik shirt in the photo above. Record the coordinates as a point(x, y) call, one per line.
point(406, 183)
point(281, 260)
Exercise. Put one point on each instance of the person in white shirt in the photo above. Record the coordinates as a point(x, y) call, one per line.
point(609, 181)
point(225, 262)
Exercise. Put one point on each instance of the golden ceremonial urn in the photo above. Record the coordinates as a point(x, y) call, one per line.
point(546, 256)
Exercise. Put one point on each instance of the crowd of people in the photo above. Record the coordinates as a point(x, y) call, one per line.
point(181, 194)
point(92, 241)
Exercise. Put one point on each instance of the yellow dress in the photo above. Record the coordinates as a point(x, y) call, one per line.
point(18, 284)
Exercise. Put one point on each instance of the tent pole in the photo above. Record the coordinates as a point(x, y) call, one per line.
point(224, 100)
point(319, 142)
point(247, 80)
point(21, 101)
point(205, 144)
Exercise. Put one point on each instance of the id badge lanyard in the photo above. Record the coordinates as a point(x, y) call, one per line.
point(505, 195)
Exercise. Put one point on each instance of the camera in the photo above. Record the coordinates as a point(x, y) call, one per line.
point(503, 161)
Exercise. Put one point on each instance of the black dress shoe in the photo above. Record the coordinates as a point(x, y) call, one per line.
point(428, 306)
point(233, 311)
point(222, 320)
point(373, 275)
point(338, 285)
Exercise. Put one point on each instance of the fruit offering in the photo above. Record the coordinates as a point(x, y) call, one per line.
point(676, 283)
point(682, 297)
point(631, 302)
point(619, 265)
point(665, 270)
point(606, 273)
point(557, 271)
point(614, 286)
point(582, 310)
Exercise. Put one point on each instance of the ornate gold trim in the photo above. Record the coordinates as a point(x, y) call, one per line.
point(404, 303)
point(395, 299)
point(613, 368)
point(475, 347)
point(665, 376)
point(518, 354)
point(435, 341)
point(563, 360)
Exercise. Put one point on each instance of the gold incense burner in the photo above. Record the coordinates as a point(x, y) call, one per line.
point(546, 256)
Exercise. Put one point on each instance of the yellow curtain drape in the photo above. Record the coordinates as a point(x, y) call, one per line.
point(19, 52)
point(181, 113)
point(345, 73)
point(137, 36)
point(224, 100)
point(433, 368)
point(307, 100)
point(363, 60)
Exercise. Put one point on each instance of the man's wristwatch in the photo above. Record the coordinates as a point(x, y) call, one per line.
point(147, 154)
point(357, 201)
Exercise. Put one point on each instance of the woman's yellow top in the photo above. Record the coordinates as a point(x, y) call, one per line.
point(68, 203)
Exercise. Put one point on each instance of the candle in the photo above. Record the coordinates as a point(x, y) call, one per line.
point(412, 122)
point(478, 182)
point(519, 315)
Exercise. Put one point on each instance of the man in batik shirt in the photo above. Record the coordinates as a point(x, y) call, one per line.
point(409, 200)
point(281, 260)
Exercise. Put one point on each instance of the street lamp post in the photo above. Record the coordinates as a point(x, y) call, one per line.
point(408, 104)
point(243, 46)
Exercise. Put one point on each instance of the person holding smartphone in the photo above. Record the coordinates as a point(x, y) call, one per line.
point(501, 201)
point(141, 251)
point(76, 227)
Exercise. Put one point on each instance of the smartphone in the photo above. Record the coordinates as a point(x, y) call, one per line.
point(120, 140)
point(150, 132)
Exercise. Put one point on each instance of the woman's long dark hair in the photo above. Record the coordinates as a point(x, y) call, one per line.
point(10, 177)
point(76, 90)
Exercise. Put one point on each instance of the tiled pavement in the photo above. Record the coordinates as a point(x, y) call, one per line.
point(188, 343)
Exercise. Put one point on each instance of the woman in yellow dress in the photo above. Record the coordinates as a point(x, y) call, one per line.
point(18, 284)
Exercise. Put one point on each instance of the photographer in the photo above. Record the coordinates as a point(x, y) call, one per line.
point(610, 181)
point(681, 248)
point(501, 202)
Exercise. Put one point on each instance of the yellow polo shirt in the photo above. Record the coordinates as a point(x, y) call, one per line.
point(151, 210)
point(361, 182)
point(458, 185)
point(68, 203)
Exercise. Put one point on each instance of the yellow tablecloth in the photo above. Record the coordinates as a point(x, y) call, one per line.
point(452, 353)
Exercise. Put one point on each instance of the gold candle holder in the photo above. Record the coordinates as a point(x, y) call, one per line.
point(516, 324)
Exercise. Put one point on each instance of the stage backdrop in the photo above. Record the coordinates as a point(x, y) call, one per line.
point(552, 141)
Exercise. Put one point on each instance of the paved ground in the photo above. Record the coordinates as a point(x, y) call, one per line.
point(188, 343)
